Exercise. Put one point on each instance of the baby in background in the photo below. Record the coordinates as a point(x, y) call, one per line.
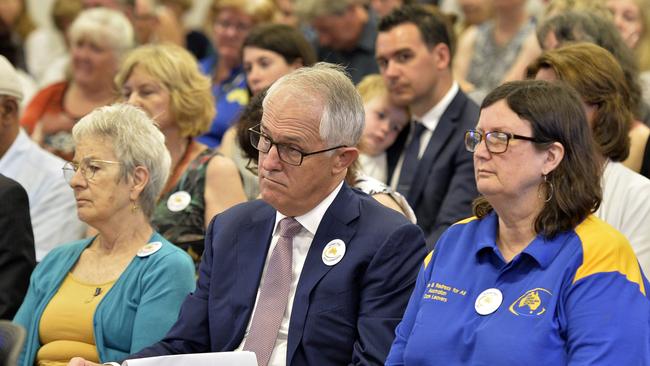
point(384, 121)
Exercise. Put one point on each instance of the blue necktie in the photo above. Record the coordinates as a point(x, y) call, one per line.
point(411, 160)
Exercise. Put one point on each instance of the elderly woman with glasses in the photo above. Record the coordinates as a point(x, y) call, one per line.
point(108, 296)
point(534, 278)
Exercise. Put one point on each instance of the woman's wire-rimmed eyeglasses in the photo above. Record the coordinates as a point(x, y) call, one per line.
point(87, 167)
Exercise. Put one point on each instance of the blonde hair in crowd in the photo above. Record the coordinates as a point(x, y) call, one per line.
point(192, 103)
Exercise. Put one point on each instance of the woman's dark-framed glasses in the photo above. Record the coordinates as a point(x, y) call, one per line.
point(87, 167)
point(496, 141)
point(292, 156)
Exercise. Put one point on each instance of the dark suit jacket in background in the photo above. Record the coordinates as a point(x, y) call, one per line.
point(17, 255)
point(444, 186)
point(343, 314)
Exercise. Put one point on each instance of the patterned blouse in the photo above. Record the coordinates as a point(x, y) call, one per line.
point(179, 215)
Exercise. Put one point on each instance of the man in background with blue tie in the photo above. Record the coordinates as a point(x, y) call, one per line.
point(427, 163)
point(315, 273)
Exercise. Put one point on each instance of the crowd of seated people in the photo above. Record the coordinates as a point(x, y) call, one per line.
point(326, 182)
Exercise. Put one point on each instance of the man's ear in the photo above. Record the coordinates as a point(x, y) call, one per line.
point(140, 179)
point(345, 156)
point(443, 53)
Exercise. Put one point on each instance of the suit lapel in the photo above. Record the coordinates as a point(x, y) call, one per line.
point(252, 247)
point(337, 223)
point(446, 127)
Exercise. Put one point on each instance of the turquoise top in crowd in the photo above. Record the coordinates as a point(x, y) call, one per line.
point(136, 312)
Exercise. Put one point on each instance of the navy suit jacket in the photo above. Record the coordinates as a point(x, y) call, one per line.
point(343, 314)
point(444, 186)
point(17, 255)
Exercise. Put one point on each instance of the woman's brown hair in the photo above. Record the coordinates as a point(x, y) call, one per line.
point(555, 114)
point(596, 75)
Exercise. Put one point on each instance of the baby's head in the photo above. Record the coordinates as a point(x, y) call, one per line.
point(384, 120)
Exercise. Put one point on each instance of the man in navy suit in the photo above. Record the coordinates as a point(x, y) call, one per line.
point(354, 262)
point(428, 162)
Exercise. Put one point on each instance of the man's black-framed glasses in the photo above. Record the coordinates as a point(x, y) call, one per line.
point(292, 156)
point(495, 141)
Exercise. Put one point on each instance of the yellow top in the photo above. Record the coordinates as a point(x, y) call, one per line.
point(66, 327)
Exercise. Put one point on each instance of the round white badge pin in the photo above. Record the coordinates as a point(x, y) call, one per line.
point(333, 252)
point(149, 249)
point(488, 301)
point(178, 201)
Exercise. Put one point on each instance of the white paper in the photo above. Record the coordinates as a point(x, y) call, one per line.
point(239, 358)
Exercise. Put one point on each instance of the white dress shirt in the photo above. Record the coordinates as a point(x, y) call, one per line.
point(52, 205)
point(626, 206)
point(430, 121)
point(301, 243)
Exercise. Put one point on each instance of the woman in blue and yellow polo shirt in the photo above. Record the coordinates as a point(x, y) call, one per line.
point(534, 278)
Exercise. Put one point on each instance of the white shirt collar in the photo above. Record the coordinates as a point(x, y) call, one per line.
point(20, 144)
point(431, 118)
point(312, 219)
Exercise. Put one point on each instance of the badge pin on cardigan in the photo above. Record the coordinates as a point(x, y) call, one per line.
point(149, 249)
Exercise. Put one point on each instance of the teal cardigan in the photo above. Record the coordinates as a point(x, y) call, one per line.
point(136, 312)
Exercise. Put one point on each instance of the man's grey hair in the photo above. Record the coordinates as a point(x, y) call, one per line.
point(105, 27)
point(326, 84)
point(136, 141)
point(307, 10)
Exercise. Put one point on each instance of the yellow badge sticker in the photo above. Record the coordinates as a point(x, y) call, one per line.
point(531, 303)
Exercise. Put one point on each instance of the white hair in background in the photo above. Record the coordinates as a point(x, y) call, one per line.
point(104, 26)
point(326, 84)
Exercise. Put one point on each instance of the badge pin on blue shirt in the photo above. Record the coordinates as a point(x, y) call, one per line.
point(488, 301)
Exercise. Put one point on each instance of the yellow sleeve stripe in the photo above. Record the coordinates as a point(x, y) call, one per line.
point(427, 259)
point(465, 221)
point(606, 250)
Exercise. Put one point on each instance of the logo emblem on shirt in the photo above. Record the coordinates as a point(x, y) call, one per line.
point(531, 303)
point(333, 252)
point(178, 201)
point(239, 96)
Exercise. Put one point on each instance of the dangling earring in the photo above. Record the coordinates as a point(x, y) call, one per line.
point(134, 207)
point(550, 189)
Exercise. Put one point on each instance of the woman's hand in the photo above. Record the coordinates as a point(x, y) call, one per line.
point(78, 361)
